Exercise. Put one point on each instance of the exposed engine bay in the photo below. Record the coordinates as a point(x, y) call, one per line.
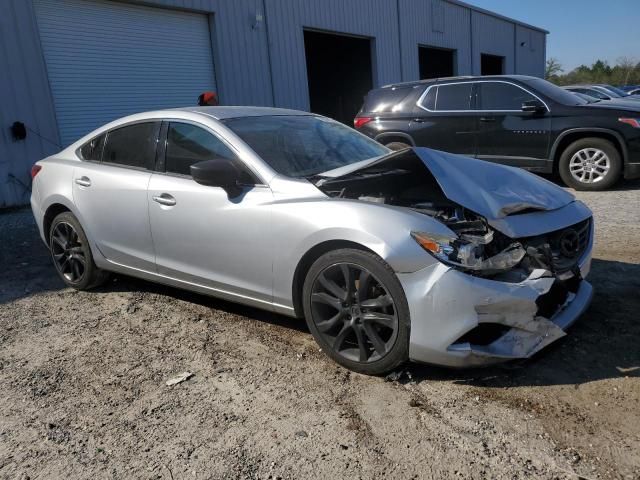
point(476, 246)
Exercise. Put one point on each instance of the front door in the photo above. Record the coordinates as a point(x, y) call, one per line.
point(201, 234)
point(444, 119)
point(110, 192)
point(508, 135)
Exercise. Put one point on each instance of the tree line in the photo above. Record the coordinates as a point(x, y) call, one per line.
point(626, 71)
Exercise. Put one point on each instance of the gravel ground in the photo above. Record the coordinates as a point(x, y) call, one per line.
point(83, 390)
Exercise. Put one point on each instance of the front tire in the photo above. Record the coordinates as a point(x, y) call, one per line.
point(590, 164)
point(357, 312)
point(71, 254)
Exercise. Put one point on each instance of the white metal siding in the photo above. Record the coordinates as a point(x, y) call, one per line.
point(108, 59)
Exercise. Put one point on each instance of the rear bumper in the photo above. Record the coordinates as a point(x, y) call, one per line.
point(447, 304)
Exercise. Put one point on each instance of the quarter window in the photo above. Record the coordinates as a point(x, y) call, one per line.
point(188, 144)
point(429, 100)
point(133, 145)
point(455, 96)
point(501, 96)
point(92, 150)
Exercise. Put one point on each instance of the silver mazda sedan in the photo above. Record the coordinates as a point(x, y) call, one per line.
point(389, 256)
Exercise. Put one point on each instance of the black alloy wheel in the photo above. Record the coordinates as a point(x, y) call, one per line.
point(352, 310)
point(71, 254)
point(68, 252)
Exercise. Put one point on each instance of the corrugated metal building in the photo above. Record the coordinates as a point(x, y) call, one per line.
point(69, 66)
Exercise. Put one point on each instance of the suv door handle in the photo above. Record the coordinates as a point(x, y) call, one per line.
point(164, 199)
point(487, 119)
point(83, 181)
point(419, 120)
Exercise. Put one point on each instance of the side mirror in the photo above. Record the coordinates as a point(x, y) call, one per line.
point(533, 106)
point(218, 172)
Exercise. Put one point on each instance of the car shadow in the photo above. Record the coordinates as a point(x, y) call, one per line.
point(123, 283)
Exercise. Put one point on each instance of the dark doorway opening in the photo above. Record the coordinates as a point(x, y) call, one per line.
point(339, 73)
point(491, 64)
point(436, 62)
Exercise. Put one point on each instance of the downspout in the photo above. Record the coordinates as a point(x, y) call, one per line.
point(402, 79)
point(266, 30)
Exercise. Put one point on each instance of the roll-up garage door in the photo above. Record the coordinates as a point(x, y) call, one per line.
point(109, 59)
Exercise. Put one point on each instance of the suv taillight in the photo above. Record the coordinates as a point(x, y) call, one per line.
point(34, 171)
point(360, 121)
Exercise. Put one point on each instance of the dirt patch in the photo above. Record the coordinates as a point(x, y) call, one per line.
point(84, 391)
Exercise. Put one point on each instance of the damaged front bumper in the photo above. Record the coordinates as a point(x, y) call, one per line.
point(460, 320)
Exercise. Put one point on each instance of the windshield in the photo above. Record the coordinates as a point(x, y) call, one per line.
point(304, 145)
point(554, 92)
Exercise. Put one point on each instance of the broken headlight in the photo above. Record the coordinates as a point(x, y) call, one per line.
point(468, 252)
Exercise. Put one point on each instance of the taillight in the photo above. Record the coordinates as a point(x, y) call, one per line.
point(34, 171)
point(634, 122)
point(360, 121)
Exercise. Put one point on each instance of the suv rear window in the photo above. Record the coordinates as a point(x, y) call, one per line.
point(384, 99)
point(455, 96)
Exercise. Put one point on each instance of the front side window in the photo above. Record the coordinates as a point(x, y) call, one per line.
point(304, 145)
point(188, 144)
point(454, 97)
point(501, 96)
point(92, 150)
point(133, 145)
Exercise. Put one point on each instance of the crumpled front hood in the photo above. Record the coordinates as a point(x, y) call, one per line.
point(491, 190)
point(488, 189)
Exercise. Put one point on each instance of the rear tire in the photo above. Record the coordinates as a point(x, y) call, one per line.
point(590, 164)
point(71, 254)
point(397, 145)
point(357, 312)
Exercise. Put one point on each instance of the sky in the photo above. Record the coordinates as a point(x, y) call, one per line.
point(582, 31)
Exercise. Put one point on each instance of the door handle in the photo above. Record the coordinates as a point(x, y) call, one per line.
point(418, 120)
point(487, 119)
point(83, 181)
point(164, 199)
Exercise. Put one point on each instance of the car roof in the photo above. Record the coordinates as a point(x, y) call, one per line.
point(467, 78)
point(222, 113)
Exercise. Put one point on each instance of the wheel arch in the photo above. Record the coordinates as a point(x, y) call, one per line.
point(52, 212)
point(308, 259)
point(567, 137)
point(388, 137)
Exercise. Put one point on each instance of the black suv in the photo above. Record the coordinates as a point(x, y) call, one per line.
point(514, 120)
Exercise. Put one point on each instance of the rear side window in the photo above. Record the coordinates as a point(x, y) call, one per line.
point(92, 150)
point(501, 96)
point(133, 145)
point(188, 144)
point(455, 97)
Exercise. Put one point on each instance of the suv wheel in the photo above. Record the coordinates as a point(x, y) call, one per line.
point(356, 310)
point(590, 164)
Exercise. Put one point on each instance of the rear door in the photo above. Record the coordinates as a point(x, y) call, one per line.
point(444, 119)
point(110, 191)
point(201, 235)
point(508, 135)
